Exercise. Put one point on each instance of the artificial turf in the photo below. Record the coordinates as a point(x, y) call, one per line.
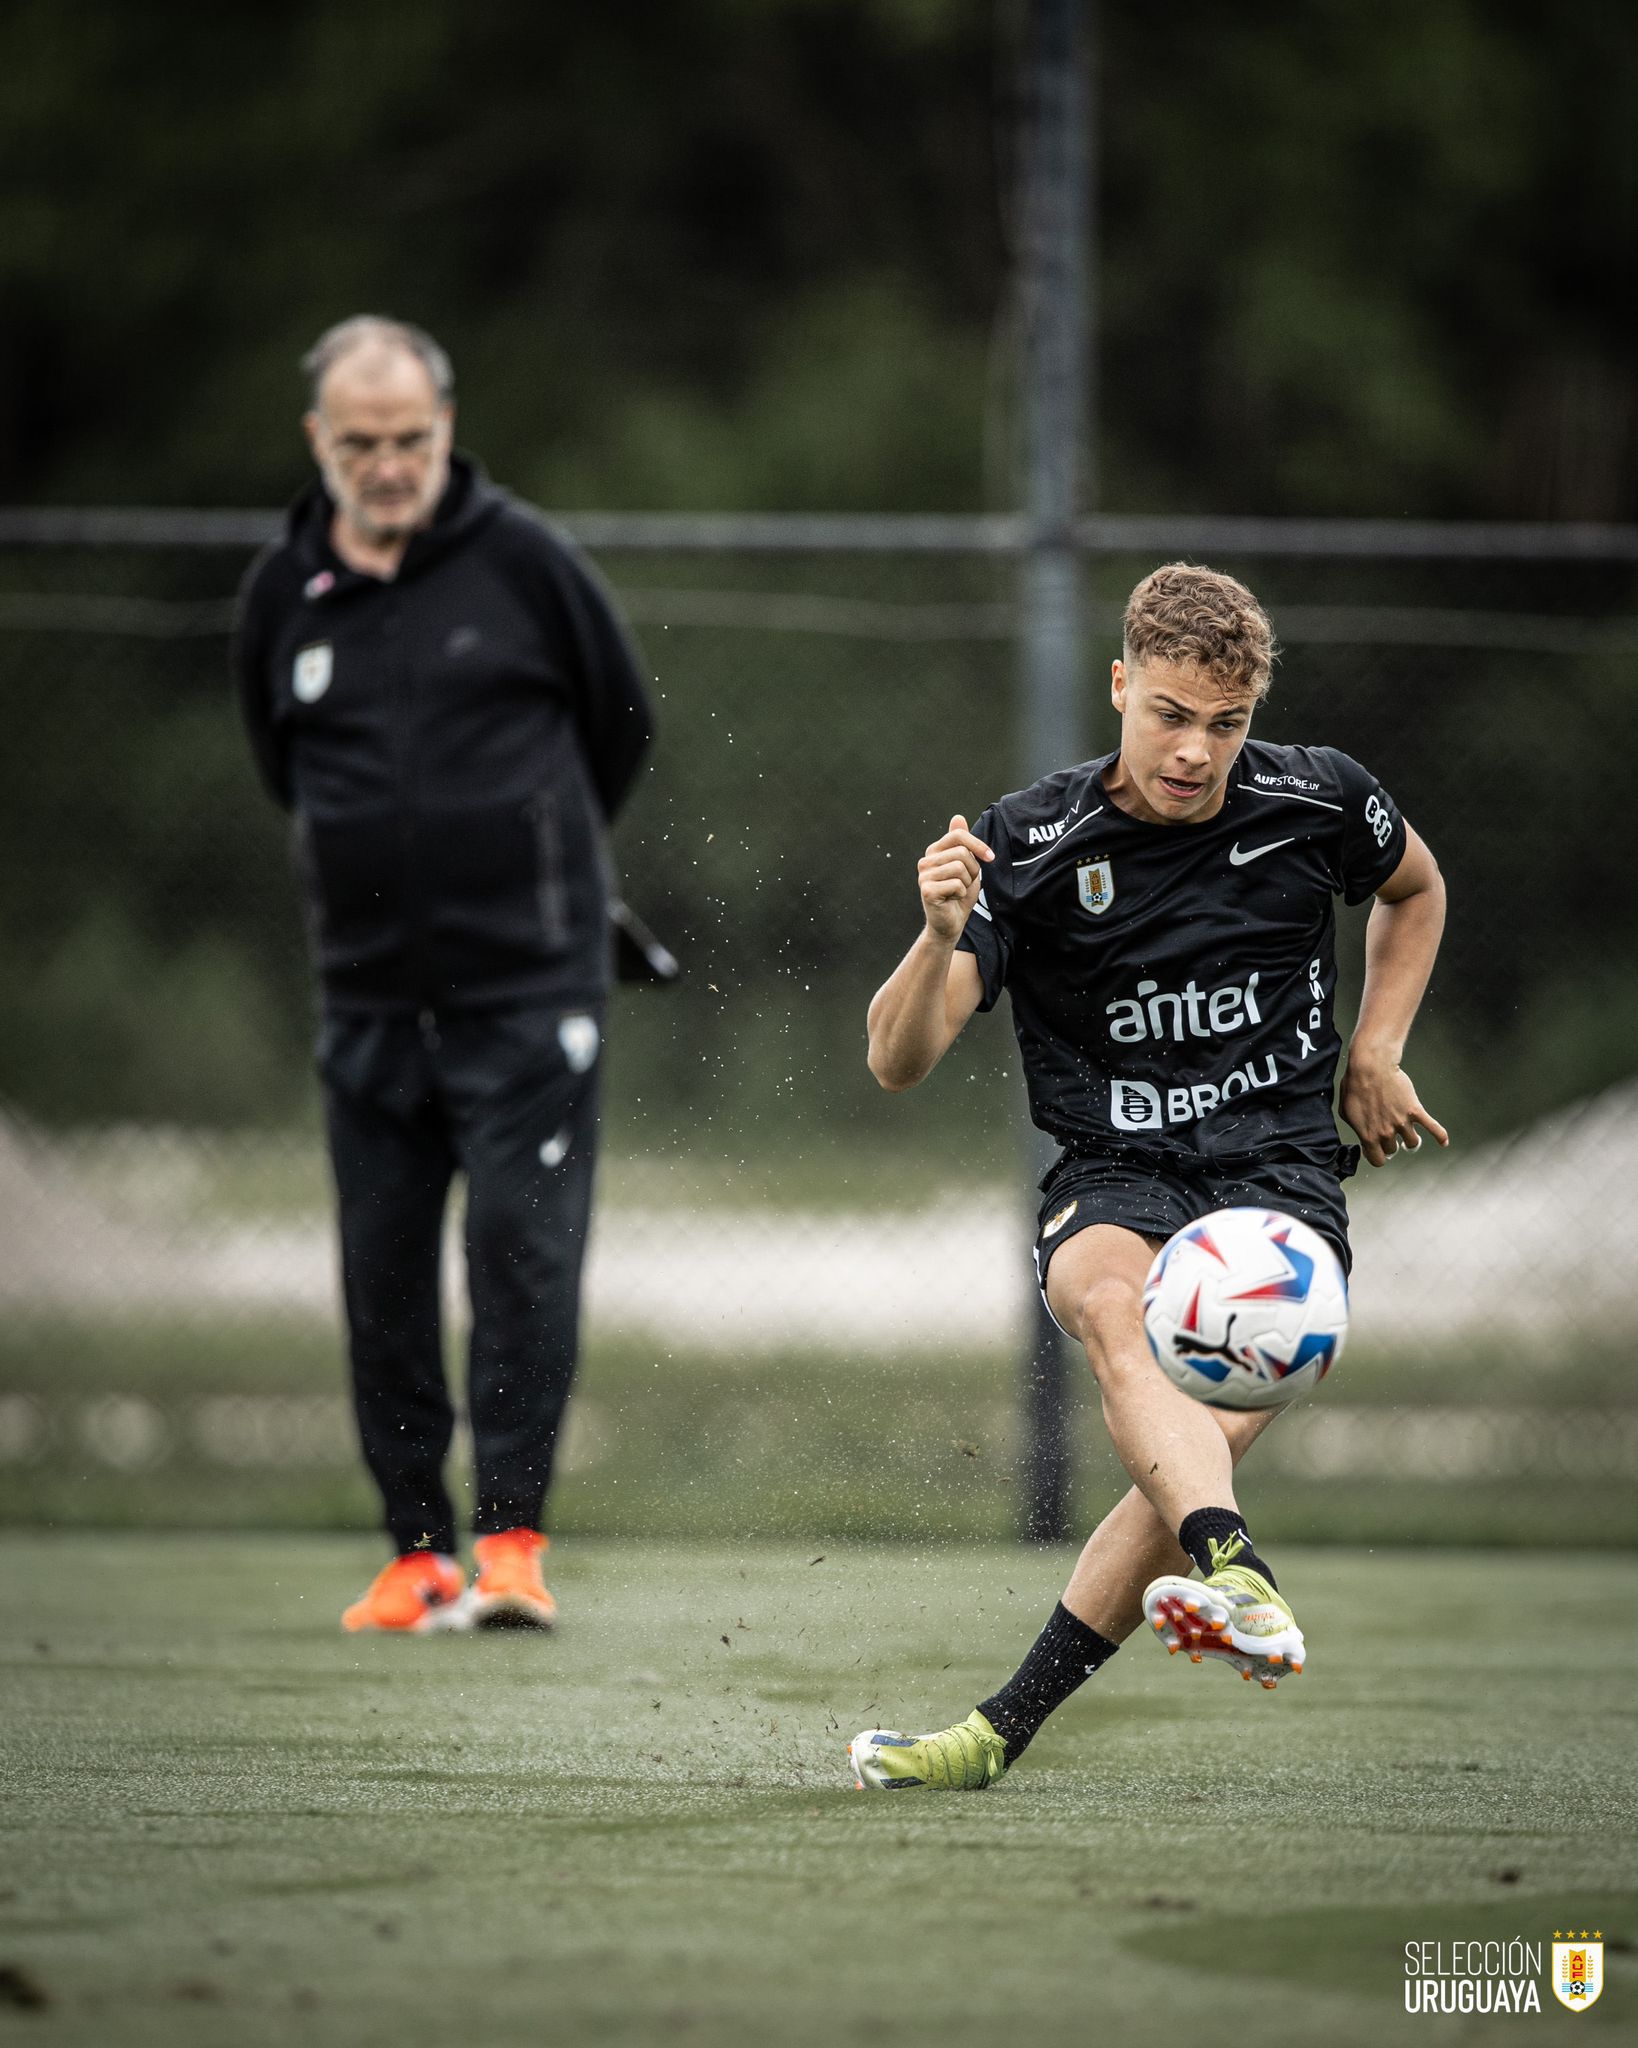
point(224, 1821)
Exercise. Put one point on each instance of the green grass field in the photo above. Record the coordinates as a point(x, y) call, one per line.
point(226, 1822)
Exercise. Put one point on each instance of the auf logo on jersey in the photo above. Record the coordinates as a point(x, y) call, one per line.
point(1140, 1106)
point(1157, 1013)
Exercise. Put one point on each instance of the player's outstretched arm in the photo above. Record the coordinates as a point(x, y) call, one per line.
point(917, 1013)
point(1378, 1101)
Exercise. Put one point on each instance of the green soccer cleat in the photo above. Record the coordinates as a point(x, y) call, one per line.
point(1233, 1616)
point(964, 1758)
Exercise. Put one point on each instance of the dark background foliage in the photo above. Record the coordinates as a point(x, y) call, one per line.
point(754, 252)
point(757, 254)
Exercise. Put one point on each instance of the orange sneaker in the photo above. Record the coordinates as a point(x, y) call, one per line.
point(417, 1593)
point(508, 1592)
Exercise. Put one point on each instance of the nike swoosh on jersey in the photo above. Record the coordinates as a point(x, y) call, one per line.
point(1237, 859)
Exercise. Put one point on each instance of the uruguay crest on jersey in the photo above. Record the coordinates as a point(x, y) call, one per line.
point(1578, 1973)
point(1095, 885)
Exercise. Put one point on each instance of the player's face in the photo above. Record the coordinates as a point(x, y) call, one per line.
point(1178, 738)
point(381, 439)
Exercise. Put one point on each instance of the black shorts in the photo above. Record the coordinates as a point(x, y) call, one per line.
point(1157, 1199)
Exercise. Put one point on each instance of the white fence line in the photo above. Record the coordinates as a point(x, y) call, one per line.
point(1525, 1241)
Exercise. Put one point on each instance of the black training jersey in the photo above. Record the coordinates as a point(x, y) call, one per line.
point(1172, 984)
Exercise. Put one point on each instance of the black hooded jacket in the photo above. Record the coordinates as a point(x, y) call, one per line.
point(451, 745)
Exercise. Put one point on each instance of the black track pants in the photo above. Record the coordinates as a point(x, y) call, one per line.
point(509, 1098)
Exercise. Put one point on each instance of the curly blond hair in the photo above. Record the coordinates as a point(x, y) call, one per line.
point(1203, 619)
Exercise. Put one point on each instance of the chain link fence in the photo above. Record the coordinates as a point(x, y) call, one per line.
point(806, 1298)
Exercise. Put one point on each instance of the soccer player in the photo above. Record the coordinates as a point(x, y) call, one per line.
point(1163, 921)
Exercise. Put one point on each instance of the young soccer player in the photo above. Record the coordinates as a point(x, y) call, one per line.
point(1163, 921)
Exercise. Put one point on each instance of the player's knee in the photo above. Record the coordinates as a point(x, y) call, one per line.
point(1111, 1310)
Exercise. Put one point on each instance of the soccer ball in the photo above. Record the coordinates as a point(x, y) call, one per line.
point(1246, 1308)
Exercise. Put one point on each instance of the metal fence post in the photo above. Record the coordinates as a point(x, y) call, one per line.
point(1054, 330)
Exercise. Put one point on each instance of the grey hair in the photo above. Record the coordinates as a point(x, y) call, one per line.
point(340, 340)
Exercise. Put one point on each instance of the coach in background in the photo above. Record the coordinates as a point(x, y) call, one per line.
point(438, 690)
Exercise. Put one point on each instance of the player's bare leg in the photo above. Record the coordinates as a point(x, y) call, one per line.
point(1179, 1456)
point(1132, 1546)
point(1130, 1550)
point(1102, 1605)
point(1176, 1453)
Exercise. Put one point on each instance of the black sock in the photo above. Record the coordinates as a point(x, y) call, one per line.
point(1064, 1655)
point(1220, 1525)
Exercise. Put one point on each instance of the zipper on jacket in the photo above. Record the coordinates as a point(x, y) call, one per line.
point(306, 865)
point(550, 895)
point(405, 711)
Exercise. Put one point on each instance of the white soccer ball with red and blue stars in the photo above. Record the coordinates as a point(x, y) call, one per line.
point(1246, 1308)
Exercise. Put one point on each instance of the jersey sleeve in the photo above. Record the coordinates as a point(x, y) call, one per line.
point(986, 936)
point(1373, 832)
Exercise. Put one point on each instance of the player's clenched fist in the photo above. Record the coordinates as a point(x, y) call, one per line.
point(951, 873)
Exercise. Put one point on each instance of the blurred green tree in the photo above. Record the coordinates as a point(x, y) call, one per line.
point(1352, 259)
point(755, 253)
